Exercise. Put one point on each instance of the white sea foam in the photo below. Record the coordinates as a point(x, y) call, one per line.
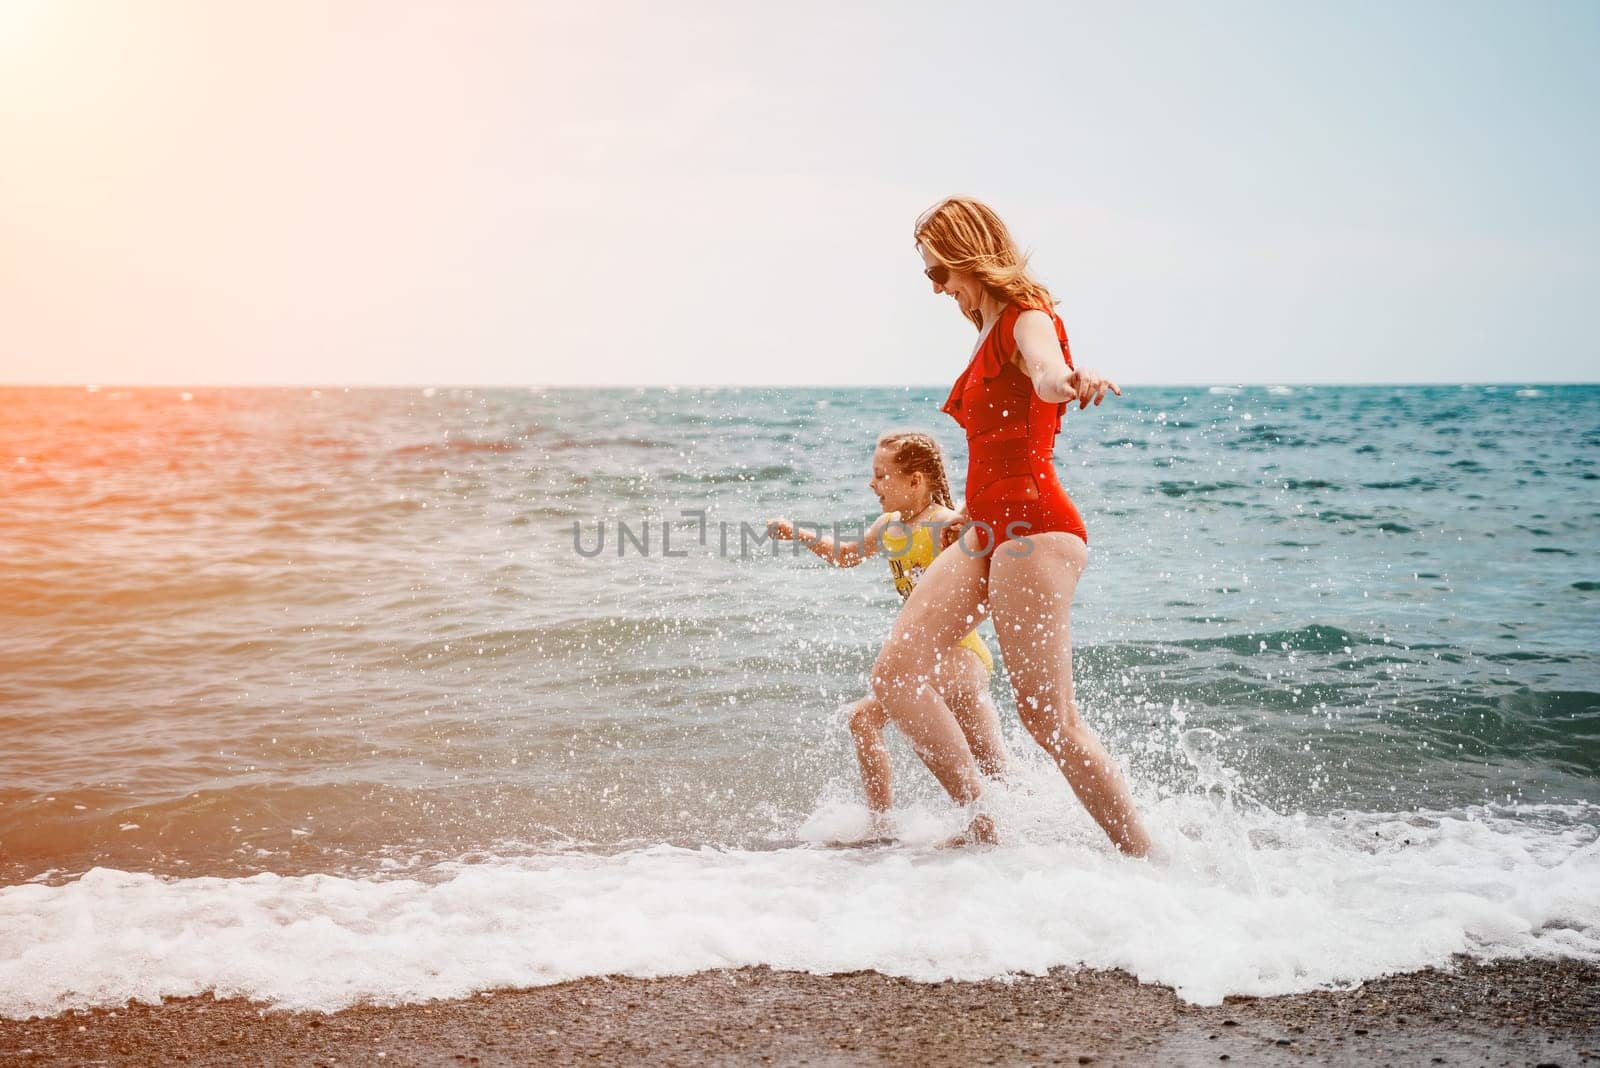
point(1246, 903)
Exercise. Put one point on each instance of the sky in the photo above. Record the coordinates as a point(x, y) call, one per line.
point(392, 193)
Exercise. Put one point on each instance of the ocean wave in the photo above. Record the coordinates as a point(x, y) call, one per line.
point(1243, 903)
point(1314, 638)
point(1407, 483)
point(1170, 488)
point(565, 443)
point(782, 473)
point(462, 445)
point(1254, 436)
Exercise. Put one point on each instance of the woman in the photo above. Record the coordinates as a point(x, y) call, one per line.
point(1025, 545)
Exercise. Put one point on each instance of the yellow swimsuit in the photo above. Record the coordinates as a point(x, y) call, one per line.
point(907, 566)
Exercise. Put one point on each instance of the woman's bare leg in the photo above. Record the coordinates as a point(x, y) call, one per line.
point(867, 720)
point(1031, 596)
point(945, 605)
point(963, 682)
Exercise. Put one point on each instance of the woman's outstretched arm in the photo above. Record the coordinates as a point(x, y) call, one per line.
point(1052, 379)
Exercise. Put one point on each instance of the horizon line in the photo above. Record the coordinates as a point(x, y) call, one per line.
point(347, 386)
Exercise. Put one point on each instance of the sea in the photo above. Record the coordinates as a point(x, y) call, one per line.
point(324, 697)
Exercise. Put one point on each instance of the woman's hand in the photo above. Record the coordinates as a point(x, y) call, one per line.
point(950, 532)
point(780, 530)
point(1090, 388)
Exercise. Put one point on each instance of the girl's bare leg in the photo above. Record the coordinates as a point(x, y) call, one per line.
point(1031, 596)
point(945, 605)
point(964, 684)
point(867, 720)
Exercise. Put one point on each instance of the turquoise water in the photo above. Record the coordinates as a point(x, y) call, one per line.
point(310, 697)
point(302, 631)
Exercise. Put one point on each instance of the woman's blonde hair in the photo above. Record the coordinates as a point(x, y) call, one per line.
point(917, 451)
point(966, 235)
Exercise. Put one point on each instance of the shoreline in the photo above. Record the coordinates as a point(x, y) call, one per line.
point(1509, 1012)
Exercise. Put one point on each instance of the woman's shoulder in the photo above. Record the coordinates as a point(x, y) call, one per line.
point(1016, 310)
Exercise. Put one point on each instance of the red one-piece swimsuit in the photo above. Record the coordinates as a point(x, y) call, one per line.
point(1012, 488)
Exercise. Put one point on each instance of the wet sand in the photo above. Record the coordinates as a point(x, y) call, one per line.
point(1527, 1012)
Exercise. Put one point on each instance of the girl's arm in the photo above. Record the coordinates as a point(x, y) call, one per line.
point(840, 553)
point(1053, 380)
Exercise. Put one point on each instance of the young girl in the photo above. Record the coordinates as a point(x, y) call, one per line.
point(909, 480)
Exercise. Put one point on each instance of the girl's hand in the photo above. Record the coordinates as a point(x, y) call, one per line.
point(780, 530)
point(1090, 387)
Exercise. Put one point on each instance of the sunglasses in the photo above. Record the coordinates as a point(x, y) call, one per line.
point(938, 274)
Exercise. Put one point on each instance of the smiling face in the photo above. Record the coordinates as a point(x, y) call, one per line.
point(961, 286)
point(898, 490)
